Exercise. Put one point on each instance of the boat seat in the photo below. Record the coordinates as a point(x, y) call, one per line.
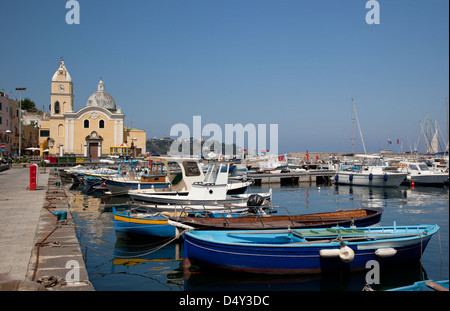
point(328, 232)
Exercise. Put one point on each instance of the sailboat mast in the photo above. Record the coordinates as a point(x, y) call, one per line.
point(448, 133)
point(353, 127)
point(359, 127)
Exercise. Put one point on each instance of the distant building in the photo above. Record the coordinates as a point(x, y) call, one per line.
point(9, 126)
point(89, 132)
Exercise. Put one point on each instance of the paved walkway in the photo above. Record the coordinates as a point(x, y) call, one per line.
point(20, 210)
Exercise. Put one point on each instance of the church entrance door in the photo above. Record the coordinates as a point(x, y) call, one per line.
point(93, 151)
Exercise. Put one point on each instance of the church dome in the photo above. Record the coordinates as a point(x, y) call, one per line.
point(101, 98)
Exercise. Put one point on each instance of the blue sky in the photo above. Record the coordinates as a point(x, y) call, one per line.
point(294, 63)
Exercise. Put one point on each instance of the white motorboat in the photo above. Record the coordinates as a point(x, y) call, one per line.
point(180, 209)
point(178, 175)
point(212, 190)
point(372, 171)
point(420, 174)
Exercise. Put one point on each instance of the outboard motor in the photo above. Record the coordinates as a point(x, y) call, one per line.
point(255, 200)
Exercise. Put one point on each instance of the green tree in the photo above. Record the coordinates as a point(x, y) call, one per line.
point(29, 105)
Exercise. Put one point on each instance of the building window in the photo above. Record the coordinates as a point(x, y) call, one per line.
point(86, 124)
point(101, 124)
point(57, 108)
point(44, 133)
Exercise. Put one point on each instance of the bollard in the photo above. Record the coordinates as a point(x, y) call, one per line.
point(33, 177)
point(60, 215)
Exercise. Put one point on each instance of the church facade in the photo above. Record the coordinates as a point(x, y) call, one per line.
point(89, 132)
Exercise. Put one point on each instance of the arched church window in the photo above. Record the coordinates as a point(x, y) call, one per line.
point(57, 107)
point(101, 124)
point(86, 124)
point(60, 130)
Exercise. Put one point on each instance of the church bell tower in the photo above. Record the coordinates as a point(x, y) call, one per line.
point(61, 98)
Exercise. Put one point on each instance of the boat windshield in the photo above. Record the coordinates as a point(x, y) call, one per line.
point(211, 174)
point(413, 167)
point(191, 168)
point(423, 167)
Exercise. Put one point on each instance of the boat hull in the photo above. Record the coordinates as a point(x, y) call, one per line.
point(430, 180)
point(291, 258)
point(423, 286)
point(367, 179)
point(186, 200)
point(122, 187)
point(360, 217)
point(155, 226)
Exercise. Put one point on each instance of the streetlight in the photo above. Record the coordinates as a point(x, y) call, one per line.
point(20, 89)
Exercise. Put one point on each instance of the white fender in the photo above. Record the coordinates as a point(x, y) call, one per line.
point(346, 254)
point(179, 225)
point(386, 252)
point(329, 253)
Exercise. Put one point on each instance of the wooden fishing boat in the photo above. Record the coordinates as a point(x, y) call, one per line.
point(153, 220)
point(427, 285)
point(356, 217)
point(149, 221)
point(136, 223)
point(306, 251)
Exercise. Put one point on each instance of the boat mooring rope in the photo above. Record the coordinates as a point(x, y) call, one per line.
point(93, 238)
point(135, 256)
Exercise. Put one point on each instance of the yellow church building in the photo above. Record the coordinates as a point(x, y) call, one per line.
point(92, 132)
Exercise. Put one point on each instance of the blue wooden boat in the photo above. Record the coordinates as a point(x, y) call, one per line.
point(149, 224)
point(428, 285)
point(306, 251)
point(145, 222)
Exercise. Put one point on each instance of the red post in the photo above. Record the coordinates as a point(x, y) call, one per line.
point(33, 172)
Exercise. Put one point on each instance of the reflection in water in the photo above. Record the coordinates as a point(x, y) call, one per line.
point(116, 262)
point(162, 258)
point(390, 277)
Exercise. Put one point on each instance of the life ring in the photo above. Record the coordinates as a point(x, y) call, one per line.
point(370, 176)
point(306, 157)
point(123, 174)
point(385, 177)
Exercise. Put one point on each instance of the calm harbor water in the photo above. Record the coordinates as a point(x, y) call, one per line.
point(154, 265)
